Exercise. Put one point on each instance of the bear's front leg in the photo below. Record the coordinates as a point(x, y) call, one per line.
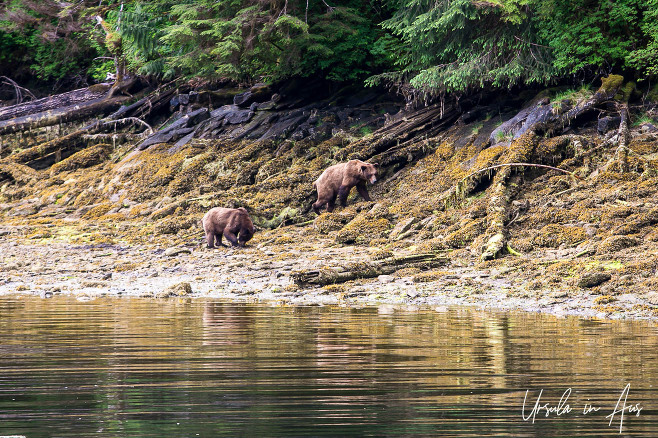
point(231, 237)
point(361, 188)
point(343, 191)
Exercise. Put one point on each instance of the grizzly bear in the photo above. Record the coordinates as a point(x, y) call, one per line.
point(338, 180)
point(230, 222)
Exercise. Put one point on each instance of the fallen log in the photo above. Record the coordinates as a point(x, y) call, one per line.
point(52, 102)
point(353, 271)
point(72, 113)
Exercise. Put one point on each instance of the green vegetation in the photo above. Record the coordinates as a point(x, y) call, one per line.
point(571, 95)
point(436, 47)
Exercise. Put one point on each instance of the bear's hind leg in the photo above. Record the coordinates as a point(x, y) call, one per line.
point(210, 239)
point(331, 203)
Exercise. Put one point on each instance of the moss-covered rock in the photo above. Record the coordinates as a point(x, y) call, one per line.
point(363, 229)
point(593, 279)
point(555, 235)
point(613, 244)
point(87, 157)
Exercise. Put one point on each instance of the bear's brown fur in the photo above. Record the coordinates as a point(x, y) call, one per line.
point(338, 180)
point(228, 222)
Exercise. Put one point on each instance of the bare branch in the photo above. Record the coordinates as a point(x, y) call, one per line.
point(17, 89)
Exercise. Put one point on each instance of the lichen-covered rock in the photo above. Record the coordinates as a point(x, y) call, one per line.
point(363, 229)
point(328, 222)
point(402, 227)
point(616, 243)
point(593, 279)
point(555, 235)
point(15, 172)
point(175, 290)
point(174, 251)
point(87, 157)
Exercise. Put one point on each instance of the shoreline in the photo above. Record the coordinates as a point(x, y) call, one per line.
point(261, 272)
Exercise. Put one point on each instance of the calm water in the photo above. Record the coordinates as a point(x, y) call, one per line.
point(131, 367)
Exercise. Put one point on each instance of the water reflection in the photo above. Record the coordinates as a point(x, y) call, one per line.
point(191, 368)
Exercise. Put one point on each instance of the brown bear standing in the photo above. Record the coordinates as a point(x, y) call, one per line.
point(338, 180)
point(230, 222)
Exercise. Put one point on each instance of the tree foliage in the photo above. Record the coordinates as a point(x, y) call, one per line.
point(456, 45)
point(436, 46)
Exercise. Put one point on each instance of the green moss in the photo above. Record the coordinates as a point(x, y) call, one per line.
point(611, 83)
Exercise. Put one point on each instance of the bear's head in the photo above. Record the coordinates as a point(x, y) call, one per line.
point(369, 171)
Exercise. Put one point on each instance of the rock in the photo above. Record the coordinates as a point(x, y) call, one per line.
point(616, 243)
point(412, 293)
point(402, 227)
point(257, 93)
point(178, 129)
point(593, 279)
point(107, 276)
point(386, 279)
point(26, 210)
point(176, 290)
point(606, 124)
point(648, 127)
point(558, 294)
point(181, 99)
point(652, 298)
point(266, 106)
point(537, 110)
point(174, 251)
point(238, 116)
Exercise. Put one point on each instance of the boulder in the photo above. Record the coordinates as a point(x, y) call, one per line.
point(257, 93)
point(606, 124)
point(593, 279)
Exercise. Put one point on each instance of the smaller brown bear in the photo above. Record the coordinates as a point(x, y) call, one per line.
point(230, 222)
point(338, 180)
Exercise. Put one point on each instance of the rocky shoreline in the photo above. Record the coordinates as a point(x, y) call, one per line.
point(262, 272)
point(511, 202)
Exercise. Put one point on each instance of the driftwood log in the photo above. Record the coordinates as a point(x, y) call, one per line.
point(75, 97)
point(353, 271)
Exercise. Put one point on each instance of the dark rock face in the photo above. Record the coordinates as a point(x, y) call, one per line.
point(298, 110)
point(238, 116)
point(178, 129)
point(537, 111)
point(257, 93)
point(606, 124)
